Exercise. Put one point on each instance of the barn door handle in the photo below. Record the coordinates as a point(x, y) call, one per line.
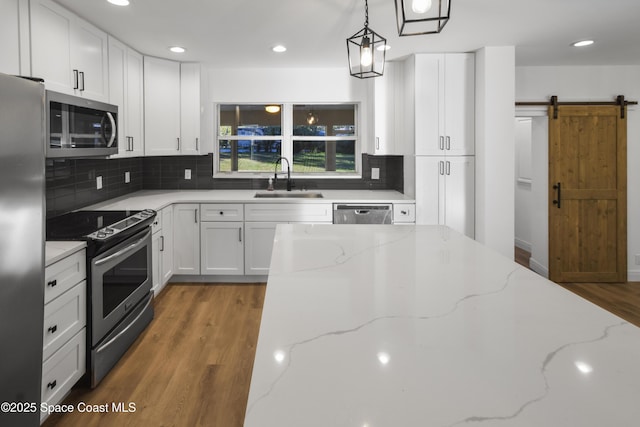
point(558, 189)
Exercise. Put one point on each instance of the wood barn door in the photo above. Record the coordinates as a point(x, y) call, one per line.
point(587, 194)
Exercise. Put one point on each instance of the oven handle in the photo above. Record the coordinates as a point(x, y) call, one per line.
point(123, 251)
point(122, 332)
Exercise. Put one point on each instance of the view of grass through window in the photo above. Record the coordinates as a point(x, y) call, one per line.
point(323, 138)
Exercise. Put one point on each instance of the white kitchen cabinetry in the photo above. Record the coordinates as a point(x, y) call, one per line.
point(64, 328)
point(171, 107)
point(445, 192)
point(388, 110)
point(126, 91)
point(190, 108)
point(258, 246)
point(14, 37)
point(222, 239)
point(186, 239)
point(162, 249)
point(444, 104)
point(70, 54)
point(404, 213)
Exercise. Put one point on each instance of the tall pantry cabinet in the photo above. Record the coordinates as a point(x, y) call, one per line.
point(443, 115)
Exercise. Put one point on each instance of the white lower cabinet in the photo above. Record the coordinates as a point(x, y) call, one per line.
point(445, 192)
point(222, 248)
point(64, 328)
point(258, 246)
point(186, 239)
point(162, 249)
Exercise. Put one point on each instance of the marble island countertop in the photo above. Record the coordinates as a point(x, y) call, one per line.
point(383, 326)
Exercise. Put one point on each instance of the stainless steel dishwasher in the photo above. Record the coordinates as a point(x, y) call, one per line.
point(378, 213)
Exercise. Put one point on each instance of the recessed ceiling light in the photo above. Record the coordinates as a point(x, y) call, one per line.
point(582, 43)
point(177, 49)
point(119, 2)
point(279, 49)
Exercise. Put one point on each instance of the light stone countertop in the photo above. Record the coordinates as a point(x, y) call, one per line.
point(158, 199)
point(386, 326)
point(55, 251)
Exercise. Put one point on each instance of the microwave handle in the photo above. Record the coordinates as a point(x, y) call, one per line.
point(113, 130)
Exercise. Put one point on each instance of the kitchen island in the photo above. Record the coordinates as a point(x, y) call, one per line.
point(380, 326)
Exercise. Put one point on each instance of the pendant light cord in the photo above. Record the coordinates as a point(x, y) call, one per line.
point(366, 14)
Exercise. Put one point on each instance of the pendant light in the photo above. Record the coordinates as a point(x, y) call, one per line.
point(417, 17)
point(365, 51)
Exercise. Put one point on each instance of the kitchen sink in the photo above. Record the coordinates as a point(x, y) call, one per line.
point(289, 195)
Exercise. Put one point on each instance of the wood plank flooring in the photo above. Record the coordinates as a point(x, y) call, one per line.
point(191, 367)
point(621, 299)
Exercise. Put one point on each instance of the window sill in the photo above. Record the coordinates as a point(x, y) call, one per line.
point(262, 175)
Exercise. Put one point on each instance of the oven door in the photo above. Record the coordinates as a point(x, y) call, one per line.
point(120, 278)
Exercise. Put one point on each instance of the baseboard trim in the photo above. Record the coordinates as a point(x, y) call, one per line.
point(538, 268)
point(524, 245)
point(633, 276)
point(183, 278)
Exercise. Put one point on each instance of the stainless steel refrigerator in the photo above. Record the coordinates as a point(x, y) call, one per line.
point(22, 218)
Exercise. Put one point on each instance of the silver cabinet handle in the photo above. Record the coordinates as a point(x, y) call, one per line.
point(161, 243)
point(197, 143)
point(448, 168)
point(240, 234)
point(76, 80)
point(82, 80)
point(377, 142)
point(178, 143)
point(196, 215)
point(441, 167)
point(442, 142)
point(448, 143)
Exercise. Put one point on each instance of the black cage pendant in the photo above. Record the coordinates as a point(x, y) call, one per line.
point(366, 51)
point(416, 17)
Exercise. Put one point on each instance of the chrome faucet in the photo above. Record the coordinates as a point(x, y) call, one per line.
point(275, 177)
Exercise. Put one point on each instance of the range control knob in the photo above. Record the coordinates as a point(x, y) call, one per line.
point(109, 230)
point(102, 234)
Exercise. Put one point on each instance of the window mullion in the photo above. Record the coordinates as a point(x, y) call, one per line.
point(287, 133)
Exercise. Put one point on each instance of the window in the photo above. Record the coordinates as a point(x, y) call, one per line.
point(315, 138)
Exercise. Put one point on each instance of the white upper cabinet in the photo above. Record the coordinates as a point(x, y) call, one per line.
point(125, 91)
point(190, 108)
point(444, 104)
point(14, 38)
point(171, 107)
point(70, 54)
point(388, 110)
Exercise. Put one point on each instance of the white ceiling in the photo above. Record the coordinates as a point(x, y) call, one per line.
point(240, 33)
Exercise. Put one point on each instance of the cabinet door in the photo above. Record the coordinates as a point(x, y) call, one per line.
point(51, 40)
point(429, 107)
point(117, 89)
point(459, 104)
point(90, 55)
point(186, 239)
point(429, 190)
point(459, 194)
point(167, 246)
point(134, 102)
point(190, 108)
point(222, 249)
point(258, 246)
point(10, 37)
point(161, 107)
point(156, 262)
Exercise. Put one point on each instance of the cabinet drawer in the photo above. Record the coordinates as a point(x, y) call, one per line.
point(404, 212)
point(64, 274)
point(294, 212)
point(64, 317)
point(222, 212)
point(63, 369)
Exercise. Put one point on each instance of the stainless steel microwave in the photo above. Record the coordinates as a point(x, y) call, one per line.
point(78, 127)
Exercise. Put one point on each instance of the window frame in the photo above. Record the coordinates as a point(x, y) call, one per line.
point(286, 142)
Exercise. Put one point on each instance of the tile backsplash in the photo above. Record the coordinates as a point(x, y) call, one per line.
point(72, 183)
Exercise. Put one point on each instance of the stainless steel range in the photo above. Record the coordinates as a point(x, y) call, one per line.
point(120, 303)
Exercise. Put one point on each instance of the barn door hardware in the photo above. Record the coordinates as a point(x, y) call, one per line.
point(553, 102)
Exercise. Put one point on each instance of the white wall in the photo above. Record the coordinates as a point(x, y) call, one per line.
point(586, 83)
point(523, 183)
point(495, 153)
point(301, 85)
